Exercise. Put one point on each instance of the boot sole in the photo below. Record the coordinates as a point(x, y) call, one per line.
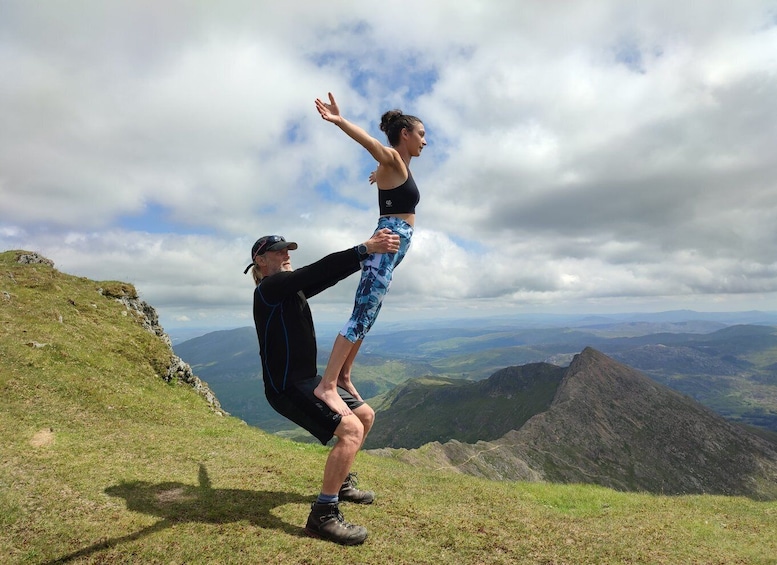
point(357, 501)
point(316, 535)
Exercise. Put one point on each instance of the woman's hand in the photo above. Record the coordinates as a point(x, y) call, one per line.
point(330, 112)
point(374, 176)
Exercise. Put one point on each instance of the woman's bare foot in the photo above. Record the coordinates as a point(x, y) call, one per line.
point(347, 385)
point(332, 399)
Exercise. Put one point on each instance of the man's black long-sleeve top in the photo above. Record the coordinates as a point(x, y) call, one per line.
point(284, 324)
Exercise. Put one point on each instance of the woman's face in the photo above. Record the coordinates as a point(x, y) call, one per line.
point(415, 140)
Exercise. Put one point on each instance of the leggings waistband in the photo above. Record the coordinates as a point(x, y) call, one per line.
point(397, 225)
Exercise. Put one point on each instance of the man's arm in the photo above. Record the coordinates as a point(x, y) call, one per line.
point(326, 272)
point(383, 241)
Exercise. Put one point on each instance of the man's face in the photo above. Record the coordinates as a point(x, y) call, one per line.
point(275, 262)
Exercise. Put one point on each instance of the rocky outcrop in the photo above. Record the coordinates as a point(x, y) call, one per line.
point(33, 259)
point(178, 370)
point(147, 317)
point(145, 313)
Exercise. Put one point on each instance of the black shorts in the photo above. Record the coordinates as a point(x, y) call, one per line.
point(301, 406)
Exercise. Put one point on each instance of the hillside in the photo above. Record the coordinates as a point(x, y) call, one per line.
point(733, 371)
point(607, 424)
point(103, 459)
point(426, 410)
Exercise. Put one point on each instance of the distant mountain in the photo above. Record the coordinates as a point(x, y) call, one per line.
point(544, 320)
point(229, 361)
point(224, 353)
point(732, 370)
point(607, 424)
point(438, 409)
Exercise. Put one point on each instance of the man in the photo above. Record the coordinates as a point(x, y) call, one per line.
point(287, 343)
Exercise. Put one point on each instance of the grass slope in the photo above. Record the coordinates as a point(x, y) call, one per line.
point(101, 461)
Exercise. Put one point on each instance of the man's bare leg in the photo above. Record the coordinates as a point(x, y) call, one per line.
point(326, 390)
point(350, 436)
point(349, 490)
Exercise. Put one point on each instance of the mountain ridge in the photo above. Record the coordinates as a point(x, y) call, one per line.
point(410, 416)
point(610, 425)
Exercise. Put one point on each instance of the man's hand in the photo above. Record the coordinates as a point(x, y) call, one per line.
point(383, 241)
point(330, 112)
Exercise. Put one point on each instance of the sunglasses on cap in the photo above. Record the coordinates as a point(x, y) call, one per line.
point(266, 243)
point(269, 243)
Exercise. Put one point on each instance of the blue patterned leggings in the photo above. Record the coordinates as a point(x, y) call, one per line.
point(377, 271)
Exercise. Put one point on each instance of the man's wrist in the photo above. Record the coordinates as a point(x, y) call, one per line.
point(362, 252)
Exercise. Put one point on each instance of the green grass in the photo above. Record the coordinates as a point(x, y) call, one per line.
point(101, 461)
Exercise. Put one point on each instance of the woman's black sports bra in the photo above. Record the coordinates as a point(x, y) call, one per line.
point(400, 200)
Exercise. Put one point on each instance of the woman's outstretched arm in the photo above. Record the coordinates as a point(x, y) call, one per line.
point(384, 155)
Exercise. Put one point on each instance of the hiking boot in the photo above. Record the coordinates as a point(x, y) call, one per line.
point(349, 492)
point(326, 522)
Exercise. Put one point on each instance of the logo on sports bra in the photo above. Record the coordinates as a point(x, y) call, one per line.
point(389, 203)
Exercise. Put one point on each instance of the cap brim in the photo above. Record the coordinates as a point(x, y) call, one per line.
point(282, 245)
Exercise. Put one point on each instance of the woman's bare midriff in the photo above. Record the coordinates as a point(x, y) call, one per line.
point(409, 218)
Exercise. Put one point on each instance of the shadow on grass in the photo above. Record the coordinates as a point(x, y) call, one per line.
point(177, 503)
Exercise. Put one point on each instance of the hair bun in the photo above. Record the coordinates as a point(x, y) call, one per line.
point(388, 118)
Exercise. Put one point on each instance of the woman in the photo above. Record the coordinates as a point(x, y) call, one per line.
point(397, 198)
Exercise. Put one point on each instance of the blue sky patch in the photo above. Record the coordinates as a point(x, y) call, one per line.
point(295, 132)
point(156, 218)
point(629, 54)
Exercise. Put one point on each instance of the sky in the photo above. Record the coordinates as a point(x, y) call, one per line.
point(583, 156)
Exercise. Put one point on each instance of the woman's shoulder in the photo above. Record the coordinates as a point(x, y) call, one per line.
point(396, 161)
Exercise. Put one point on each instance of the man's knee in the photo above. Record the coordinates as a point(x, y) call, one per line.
point(350, 429)
point(366, 415)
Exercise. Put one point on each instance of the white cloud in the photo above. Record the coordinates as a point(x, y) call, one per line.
point(581, 154)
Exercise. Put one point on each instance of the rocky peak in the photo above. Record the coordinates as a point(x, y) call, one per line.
point(618, 428)
point(608, 424)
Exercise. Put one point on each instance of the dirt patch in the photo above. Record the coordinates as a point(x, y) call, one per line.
point(43, 438)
